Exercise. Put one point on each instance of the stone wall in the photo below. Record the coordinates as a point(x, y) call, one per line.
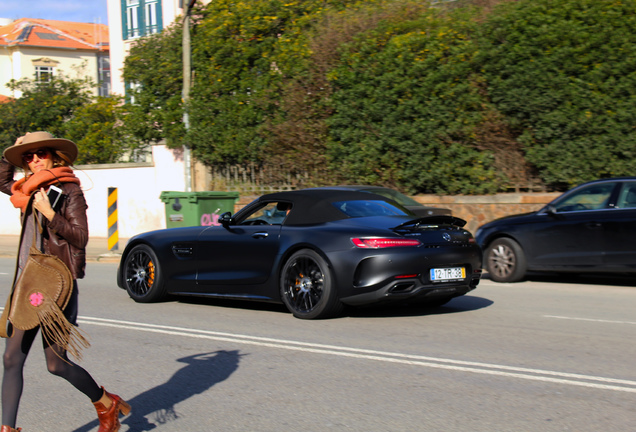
point(477, 210)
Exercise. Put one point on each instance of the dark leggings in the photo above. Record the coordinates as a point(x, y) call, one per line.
point(17, 349)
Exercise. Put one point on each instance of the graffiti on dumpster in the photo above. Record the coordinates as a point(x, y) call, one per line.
point(210, 219)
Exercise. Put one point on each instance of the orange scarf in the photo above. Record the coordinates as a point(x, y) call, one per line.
point(24, 187)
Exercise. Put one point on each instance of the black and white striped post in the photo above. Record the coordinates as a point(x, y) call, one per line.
point(113, 232)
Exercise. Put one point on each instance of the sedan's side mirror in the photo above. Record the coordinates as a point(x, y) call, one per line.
point(225, 219)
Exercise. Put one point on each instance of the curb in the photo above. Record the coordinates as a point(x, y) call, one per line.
point(107, 257)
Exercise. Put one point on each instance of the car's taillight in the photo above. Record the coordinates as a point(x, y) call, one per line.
point(379, 243)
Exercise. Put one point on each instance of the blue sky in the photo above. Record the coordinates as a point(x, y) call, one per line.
point(90, 11)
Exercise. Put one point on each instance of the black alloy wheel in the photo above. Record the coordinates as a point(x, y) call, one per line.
point(505, 260)
point(142, 275)
point(307, 288)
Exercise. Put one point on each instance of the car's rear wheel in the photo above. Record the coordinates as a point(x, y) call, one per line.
point(142, 275)
point(505, 260)
point(307, 288)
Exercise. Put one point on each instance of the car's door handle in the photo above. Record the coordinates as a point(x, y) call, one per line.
point(593, 225)
point(262, 234)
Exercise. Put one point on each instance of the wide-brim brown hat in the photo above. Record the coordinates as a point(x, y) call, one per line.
point(36, 140)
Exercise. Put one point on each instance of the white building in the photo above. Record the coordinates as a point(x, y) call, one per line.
point(129, 20)
point(38, 48)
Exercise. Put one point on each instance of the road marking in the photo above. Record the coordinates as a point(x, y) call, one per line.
point(391, 357)
point(590, 319)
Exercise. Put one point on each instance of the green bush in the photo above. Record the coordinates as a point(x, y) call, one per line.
point(563, 73)
point(405, 105)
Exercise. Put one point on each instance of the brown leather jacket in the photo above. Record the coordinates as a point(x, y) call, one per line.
point(66, 235)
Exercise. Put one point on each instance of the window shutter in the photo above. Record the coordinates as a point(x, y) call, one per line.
point(124, 20)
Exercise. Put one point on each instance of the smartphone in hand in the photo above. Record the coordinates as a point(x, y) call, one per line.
point(55, 197)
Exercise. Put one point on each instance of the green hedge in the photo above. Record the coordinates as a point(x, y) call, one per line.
point(563, 73)
point(446, 99)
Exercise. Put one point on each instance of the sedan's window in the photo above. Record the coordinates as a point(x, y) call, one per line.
point(592, 197)
point(368, 208)
point(627, 197)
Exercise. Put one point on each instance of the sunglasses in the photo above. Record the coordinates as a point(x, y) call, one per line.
point(41, 154)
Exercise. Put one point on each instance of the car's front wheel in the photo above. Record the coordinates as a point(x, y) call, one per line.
point(505, 260)
point(307, 287)
point(142, 275)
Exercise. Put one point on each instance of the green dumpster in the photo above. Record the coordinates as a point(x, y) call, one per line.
point(196, 208)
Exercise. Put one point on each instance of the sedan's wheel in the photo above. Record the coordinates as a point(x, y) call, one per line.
point(142, 275)
point(505, 261)
point(307, 288)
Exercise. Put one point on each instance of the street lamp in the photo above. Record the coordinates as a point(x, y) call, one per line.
point(187, 74)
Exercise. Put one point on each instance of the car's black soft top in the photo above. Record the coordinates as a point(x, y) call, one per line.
point(313, 206)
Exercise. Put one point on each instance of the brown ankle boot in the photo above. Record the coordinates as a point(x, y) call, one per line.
point(9, 429)
point(109, 417)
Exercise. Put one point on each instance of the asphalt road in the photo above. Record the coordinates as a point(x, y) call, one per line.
point(546, 355)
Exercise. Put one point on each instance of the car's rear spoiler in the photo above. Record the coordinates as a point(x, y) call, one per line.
point(434, 221)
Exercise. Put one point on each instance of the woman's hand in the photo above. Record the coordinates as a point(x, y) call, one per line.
point(43, 205)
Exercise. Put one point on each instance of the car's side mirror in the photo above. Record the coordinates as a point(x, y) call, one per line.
point(225, 219)
point(551, 210)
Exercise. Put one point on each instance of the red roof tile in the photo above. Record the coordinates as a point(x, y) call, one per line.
point(54, 34)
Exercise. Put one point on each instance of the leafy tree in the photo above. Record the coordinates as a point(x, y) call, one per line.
point(245, 52)
point(44, 106)
point(94, 128)
point(154, 71)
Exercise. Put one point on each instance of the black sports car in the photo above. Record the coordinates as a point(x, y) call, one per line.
point(398, 197)
point(591, 228)
point(313, 250)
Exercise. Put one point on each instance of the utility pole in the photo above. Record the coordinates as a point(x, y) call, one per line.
point(187, 75)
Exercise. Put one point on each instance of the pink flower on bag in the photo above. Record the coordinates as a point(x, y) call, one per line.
point(36, 299)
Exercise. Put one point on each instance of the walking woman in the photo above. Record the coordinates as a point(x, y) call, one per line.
point(46, 161)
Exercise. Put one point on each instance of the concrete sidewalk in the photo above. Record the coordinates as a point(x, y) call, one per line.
point(96, 250)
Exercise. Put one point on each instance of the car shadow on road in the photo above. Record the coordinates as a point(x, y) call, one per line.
point(464, 303)
point(157, 405)
point(234, 304)
point(459, 304)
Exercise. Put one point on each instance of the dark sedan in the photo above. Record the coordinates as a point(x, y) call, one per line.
point(591, 228)
point(313, 250)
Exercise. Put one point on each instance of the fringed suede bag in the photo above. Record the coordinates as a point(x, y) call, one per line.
point(39, 296)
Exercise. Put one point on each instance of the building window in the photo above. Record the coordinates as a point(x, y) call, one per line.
point(44, 73)
point(103, 75)
point(151, 17)
point(140, 18)
point(132, 18)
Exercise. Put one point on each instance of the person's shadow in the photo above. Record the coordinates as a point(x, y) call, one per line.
point(202, 371)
